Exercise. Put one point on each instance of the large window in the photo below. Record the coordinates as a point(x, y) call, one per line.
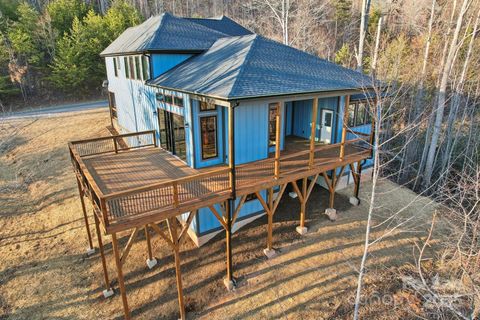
point(127, 69)
point(138, 68)
point(145, 68)
point(358, 114)
point(273, 108)
point(208, 128)
point(206, 106)
point(115, 70)
point(132, 67)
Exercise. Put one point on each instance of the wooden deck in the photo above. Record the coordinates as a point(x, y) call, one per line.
point(132, 182)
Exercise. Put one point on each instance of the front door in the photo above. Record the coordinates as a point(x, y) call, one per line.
point(172, 133)
point(326, 125)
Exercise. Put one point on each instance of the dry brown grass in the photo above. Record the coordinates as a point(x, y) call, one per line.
point(45, 273)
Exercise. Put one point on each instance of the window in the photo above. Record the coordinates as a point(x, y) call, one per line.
point(115, 70)
point(206, 106)
point(127, 69)
point(361, 114)
point(351, 115)
point(208, 127)
point(159, 96)
point(145, 68)
point(132, 67)
point(112, 105)
point(168, 98)
point(358, 114)
point(173, 100)
point(273, 108)
point(178, 101)
point(138, 74)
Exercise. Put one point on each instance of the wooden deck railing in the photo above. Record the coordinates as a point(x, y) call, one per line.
point(115, 144)
point(154, 197)
point(183, 192)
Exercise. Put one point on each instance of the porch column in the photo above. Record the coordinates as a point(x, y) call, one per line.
point(230, 203)
point(313, 131)
point(277, 142)
point(344, 127)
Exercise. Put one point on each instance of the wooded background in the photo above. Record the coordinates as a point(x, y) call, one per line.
point(427, 51)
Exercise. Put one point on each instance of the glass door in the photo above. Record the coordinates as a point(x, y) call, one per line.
point(172, 133)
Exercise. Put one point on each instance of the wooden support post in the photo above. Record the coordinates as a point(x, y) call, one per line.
point(270, 219)
point(303, 205)
point(175, 193)
point(108, 289)
point(121, 281)
point(149, 243)
point(332, 189)
point(90, 249)
point(313, 131)
point(344, 127)
point(231, 148)
point(229, 281)
point(115, 144)
point(277, 142)
point(178, 272)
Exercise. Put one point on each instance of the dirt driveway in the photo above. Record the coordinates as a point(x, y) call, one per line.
point(45, 273)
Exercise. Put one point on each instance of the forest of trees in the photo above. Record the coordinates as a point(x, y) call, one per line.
point(425, 50)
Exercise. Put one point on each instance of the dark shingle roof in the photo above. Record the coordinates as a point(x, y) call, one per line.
point(223, 24)
point(169, 33)
point(253, 66)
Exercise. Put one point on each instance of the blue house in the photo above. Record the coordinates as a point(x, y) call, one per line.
point(178, 76)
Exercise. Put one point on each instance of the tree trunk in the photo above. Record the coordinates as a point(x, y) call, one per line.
point(363, 33)
point(442, 91)
point(457, 96)
point(412, 143)
point(377, 45)
point(421, 169)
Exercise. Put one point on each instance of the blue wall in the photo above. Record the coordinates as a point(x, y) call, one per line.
point(164, 62)
point(199, 162)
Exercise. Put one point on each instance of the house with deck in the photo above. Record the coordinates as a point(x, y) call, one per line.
point(216, 124)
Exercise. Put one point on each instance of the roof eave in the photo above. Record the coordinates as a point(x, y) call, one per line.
point(279, 95)
point(154, 51)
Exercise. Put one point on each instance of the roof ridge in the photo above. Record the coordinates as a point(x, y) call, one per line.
point(245, 59)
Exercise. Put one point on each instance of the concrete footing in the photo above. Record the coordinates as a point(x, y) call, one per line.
point(107, 293)
point(90, 251)
point(229, 284)
point(301, 230)
point(270, 253)
point(354, 201)
point(293, 195)
point(151, 263)
point(331, 213)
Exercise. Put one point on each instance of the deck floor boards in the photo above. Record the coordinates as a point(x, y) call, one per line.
point(144, 167)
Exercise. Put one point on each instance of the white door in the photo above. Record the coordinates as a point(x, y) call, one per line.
point(326, 126)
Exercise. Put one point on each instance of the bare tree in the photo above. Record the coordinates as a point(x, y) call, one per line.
point(442, 93)
point(363, 32)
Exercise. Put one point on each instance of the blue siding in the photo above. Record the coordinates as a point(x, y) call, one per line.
point(199, 162)
point(302, 116)
point(288, 118)
point(164, 62)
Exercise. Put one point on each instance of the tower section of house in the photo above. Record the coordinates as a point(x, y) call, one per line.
point(181, 76)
